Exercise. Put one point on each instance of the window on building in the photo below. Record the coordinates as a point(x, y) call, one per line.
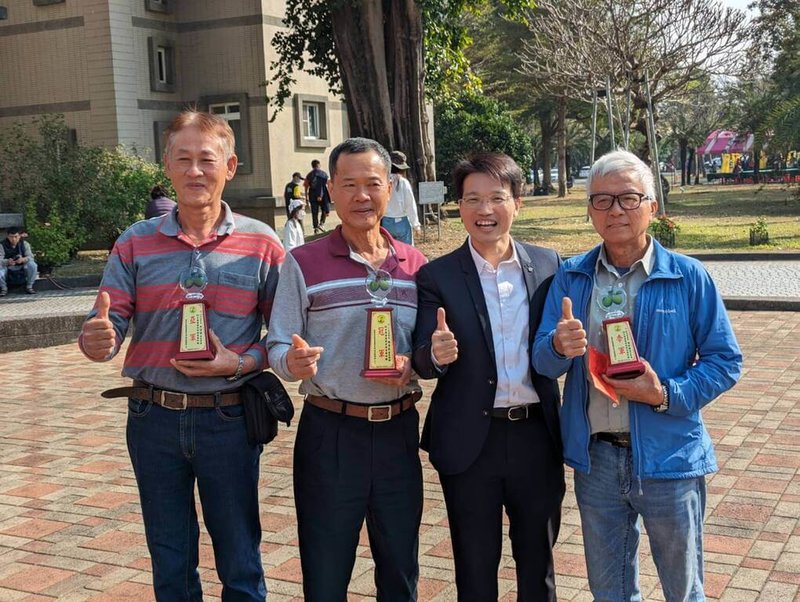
point(234, 108)
point(311, 113)
point(3, 13)
point(46, 2)
point(162, 64)
point(158, 6)
point(311, 120)
point(231, 112)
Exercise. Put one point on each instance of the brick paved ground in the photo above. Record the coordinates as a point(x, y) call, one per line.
point(70, 527)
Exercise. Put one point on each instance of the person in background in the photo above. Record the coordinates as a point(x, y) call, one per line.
point(159, 204)
point(293, 191)
point(293, 230)
point(318, 196)
point(401, 214)
point(17, 257)
point(641, 455)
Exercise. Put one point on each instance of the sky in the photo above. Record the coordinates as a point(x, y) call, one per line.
point(740, 4)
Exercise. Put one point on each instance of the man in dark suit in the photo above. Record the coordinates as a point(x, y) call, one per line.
point(492, 429)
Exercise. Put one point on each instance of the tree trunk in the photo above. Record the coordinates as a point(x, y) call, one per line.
point(404, 35)
point(562, 147)
point(697, 164)
point(639, 119)
point(756, 163)
point(361, 54)
point(683, 143)
point(545, 123)
point(690, 165)
point(379, 52)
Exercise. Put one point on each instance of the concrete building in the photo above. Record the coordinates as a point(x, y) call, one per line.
point(119, 70)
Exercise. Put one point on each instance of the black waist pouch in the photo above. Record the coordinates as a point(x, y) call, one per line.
point(266, 403)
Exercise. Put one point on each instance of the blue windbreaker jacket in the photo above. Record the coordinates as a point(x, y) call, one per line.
point(681, 328)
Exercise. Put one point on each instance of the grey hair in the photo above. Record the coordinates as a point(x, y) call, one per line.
point(355, 146)
point(619, 161)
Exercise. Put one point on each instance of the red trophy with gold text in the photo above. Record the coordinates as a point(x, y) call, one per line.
point(379, 351)
point(195, 343)
point(623, 357)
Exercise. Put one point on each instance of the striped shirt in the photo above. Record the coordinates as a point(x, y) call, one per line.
point(241, 260)
point(322, 297)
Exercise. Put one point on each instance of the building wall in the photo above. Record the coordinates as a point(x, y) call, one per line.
point(60, 62)
point(89, 59)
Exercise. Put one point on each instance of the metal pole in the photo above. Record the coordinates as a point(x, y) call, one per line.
point(594, 125)
point(626, 128)
point(610, 114)
point(651, 138)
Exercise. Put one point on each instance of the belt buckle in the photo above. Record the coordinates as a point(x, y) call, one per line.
point(182, 397)
point(371, 409)
point(523, 414)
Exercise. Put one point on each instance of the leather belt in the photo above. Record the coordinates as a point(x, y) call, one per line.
point(174, 400)
point(516, 413)
point(615, 439)
point(379, 412)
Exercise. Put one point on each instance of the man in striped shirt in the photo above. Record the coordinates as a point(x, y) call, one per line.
point(185, 418)
point(356, 452)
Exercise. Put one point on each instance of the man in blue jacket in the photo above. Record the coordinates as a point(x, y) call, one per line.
point(645, 454)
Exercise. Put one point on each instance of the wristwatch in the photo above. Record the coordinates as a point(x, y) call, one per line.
point(238, 374)
point(664, 406)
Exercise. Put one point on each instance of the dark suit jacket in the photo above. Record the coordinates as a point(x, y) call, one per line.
point(458, 418)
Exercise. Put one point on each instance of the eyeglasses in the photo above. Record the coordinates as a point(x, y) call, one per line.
point(628, 201)
point(495, 201)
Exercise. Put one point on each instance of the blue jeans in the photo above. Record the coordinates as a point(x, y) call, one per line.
point(399, 228)
point(171, 450)
point(30, 269)
point(611, 500)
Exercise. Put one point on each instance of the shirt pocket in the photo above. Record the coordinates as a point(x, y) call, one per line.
point(237, 294)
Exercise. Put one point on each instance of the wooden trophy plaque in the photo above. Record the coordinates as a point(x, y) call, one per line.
point(623, 357)
point(195, 343)
point(379, 350)
point(379, 354)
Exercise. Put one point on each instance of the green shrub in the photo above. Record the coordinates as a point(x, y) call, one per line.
point(664, 230)
point(478, 123)
point(126, 182)
point(51, 243)
point(70, 193)
point(759, 232)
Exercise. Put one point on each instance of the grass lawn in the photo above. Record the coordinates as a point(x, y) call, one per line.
point(87, 263)
point(711, 218)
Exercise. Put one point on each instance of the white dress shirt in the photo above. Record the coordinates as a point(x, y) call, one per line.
point(509, 315)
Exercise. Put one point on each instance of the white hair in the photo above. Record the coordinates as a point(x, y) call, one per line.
point(619, 161)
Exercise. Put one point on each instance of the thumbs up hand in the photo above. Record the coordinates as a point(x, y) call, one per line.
point(443, 343)
point(570, 338)
point(98, 336)
point(301, 359)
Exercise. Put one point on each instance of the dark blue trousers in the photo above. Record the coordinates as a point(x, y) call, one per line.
point(518, 470)
point(347, 470)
